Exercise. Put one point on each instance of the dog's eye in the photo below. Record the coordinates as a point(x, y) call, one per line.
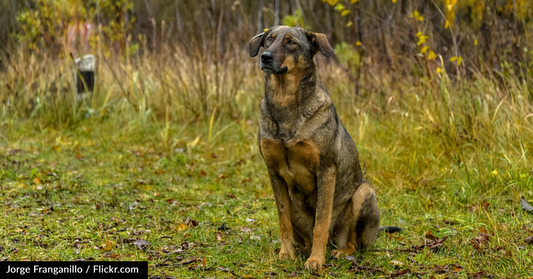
point(291, 42)
point(269, 39)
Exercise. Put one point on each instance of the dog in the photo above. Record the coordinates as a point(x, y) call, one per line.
point(320, 192)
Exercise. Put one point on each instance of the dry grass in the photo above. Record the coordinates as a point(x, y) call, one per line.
point(448, 157)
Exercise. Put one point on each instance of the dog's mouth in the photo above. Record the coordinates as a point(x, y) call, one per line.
point(270, 70)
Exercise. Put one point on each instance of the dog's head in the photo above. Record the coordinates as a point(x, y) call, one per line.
point(288, 48)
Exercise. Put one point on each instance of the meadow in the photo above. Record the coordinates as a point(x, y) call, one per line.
point(161, 164)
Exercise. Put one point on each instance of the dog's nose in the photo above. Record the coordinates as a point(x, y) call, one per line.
point(267, 57)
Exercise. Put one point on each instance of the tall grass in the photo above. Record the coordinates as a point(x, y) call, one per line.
point(412, 133)
point(435, 150)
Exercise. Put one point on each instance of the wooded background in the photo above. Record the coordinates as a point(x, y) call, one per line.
point(402, 38)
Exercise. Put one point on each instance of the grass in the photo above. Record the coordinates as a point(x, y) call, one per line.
point(146, 159)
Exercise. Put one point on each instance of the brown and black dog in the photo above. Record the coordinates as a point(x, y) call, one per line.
point(312, 161)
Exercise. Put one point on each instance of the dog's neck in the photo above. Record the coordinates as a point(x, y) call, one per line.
point(291, 89)
point(290, 100)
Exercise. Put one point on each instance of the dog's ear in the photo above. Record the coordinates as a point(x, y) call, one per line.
point(255, 43)
point(320, 42)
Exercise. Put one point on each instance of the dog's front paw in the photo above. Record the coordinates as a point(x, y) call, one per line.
point(314, 263)
point(286, 255)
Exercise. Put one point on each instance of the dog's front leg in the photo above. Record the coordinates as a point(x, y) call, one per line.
point(281, 195)
point(324, 207)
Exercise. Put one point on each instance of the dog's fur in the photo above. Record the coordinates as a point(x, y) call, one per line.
point(312, 161)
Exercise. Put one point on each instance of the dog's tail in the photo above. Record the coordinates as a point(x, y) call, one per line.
point(390, 229)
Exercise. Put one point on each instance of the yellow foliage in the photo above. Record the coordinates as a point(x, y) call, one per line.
point(422, 39)
point(417, 16)
point(458, 59)
point(332, 2)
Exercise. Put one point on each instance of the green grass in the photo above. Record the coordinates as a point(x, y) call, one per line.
point(84, 181)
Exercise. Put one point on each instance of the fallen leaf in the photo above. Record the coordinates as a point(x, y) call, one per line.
point(479, 275)
point(396, 263)
point(481, 238)
point(525, 206)
point(450, 222)
point(219, 238)
point(141, 244)
point(479, 241)
point(108, 246)
point(457, 268)
point(190, 222)
point(37, 181)
point(181, 227)
point(400, 272)
point(231, 196)
point(203, 173)
point(529, 240)
point(245, 229)
point(14, 151)
point(440, 269)
point(171, 201)
point(429, 235)
point(113, 256)
point(433, 245)
point(223, 227)
point(193, 260)
point(351, 258)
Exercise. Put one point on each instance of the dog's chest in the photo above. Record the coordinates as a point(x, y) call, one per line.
point(295, 161)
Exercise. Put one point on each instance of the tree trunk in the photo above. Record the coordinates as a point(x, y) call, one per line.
point(260, 17)
point(301, 10)
point(276, 14)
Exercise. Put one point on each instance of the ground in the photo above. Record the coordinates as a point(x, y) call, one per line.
point(206, 210)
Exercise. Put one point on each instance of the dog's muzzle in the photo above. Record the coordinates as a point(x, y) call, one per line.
point(268, 67)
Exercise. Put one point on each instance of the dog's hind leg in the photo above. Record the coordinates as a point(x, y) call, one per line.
point(344, 238)
point(366, 212)
point(362, 222)
point(345, 241)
